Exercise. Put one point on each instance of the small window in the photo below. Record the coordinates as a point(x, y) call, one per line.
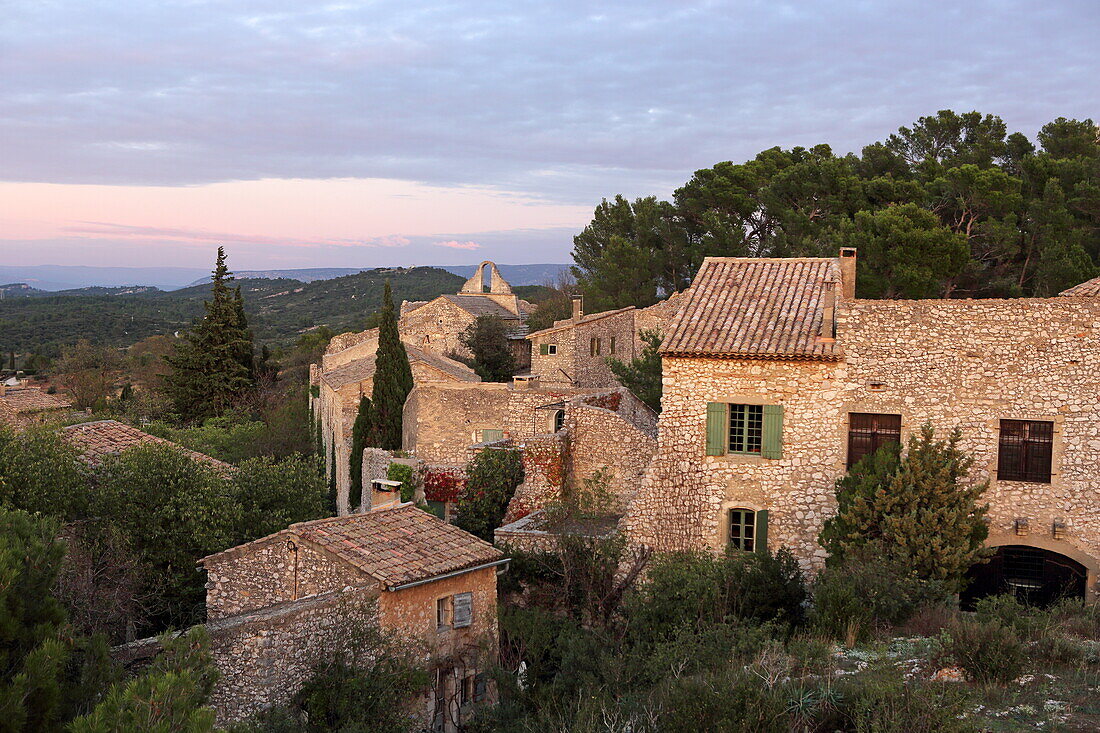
point(611, 346)
point(490, 435)
point(746, 428)
point(463, 610)
point(443, 613)
point(469, 685)
point(551, 349)
point(743, 529)
point(867, 432)
point(559, 420)
point(1025, 451)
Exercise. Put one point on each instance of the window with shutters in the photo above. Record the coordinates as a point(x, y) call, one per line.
point(867, 432)
point(1025, 451)
point(548, 349)
point(611, 346)
point(743, 529)
point(490, 435)
point(746, 428)
point(753, 430)
point(463, 610)
point(443, 613)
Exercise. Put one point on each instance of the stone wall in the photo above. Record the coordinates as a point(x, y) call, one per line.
point(441, 421)
point(544, 459)
point(437, 327)
point(610, 442)
point(271, 571)
point(957, 363)
point(591, 370)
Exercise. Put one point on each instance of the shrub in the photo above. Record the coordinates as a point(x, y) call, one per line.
point(699, 588)
point(880, 703)
point(403, 473)
point(854, 600)
point(491, 480)
point(987, 652)
point(1028, 622)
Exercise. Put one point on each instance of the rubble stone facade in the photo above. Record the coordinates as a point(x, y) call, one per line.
point(965, 364)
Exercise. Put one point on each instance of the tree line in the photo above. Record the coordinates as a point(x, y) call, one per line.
point(952, 206)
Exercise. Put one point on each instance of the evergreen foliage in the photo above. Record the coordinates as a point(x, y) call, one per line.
point(487, 340)
point(642, 376)
point(914, 510)
point(392, 381)
point(951, 206)
point(360, 433)
point(213, 365)
point(491, 480)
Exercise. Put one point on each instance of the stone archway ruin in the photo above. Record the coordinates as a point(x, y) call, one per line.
point(476, 284)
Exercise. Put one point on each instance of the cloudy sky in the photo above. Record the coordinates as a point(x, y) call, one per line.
point(307, 134)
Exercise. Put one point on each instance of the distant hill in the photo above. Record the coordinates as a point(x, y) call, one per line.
point(69, 277)
point(514, 274)
point(279, 309)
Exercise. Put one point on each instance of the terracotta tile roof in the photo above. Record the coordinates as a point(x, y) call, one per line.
point(102, 438)
point(757, 308)
point(1087, 288)
point(360, 369)
point(394, 546)
point(20, 400)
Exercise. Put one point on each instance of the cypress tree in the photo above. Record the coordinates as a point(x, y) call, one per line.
point(392, 380)
point(359, 433)
point(913, 510)
point(213, 364)
point(332, 478)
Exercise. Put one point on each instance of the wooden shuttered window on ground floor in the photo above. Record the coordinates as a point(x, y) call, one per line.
point(748, 529)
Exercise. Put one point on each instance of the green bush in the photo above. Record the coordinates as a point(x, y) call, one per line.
point(403, 473)
point(886, 703)
point(700, 589)
point(854, 600)
point(491, 480)
point(987, 652)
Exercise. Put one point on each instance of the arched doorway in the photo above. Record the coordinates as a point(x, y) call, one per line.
point(1035, 576)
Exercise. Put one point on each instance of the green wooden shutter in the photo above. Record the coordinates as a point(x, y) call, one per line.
point(544, 349)
point(772, 443)
point(717, 429)
point(491, 436)
point(762, 531)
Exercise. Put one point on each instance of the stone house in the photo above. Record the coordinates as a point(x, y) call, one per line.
point(281, 604)
point(777, 378)
point(23, 406)
point(574, 351)
point(101, 438)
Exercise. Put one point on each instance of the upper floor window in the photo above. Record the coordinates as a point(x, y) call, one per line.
point(455, 611)
point(594, 347)
point(1025, 450)
point(611, 345)
point(744, 429)
point(548, 349)
point(867, 432)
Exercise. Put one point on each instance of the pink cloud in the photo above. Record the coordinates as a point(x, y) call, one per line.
point(455, 244)
point(124, 231)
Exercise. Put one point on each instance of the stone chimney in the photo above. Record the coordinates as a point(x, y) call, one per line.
point(578, 307)
point(848, 272)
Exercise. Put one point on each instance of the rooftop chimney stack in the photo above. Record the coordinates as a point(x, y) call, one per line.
point(848, 272)
point(578, 306)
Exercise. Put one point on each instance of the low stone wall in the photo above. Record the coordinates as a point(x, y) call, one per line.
point(544, 458)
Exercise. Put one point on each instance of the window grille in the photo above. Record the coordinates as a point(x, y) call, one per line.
point(867, 432)
point(1025, 451)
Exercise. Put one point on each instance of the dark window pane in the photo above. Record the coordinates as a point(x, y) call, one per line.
point(867, 432)
point(1025, 450)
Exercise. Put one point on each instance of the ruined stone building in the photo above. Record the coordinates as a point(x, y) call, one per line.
point(282, 604)
point(574, 351)
point(23, 406)
point(777, 378)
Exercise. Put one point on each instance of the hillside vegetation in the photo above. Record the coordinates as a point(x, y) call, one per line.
point(279, 310)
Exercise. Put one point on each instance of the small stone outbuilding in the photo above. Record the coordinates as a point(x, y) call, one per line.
point(283, 603)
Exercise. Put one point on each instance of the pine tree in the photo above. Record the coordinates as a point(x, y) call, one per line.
point(359, 433)
point(213, 364)
point(642, 376)
point(913, 510)
point(392, 380)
